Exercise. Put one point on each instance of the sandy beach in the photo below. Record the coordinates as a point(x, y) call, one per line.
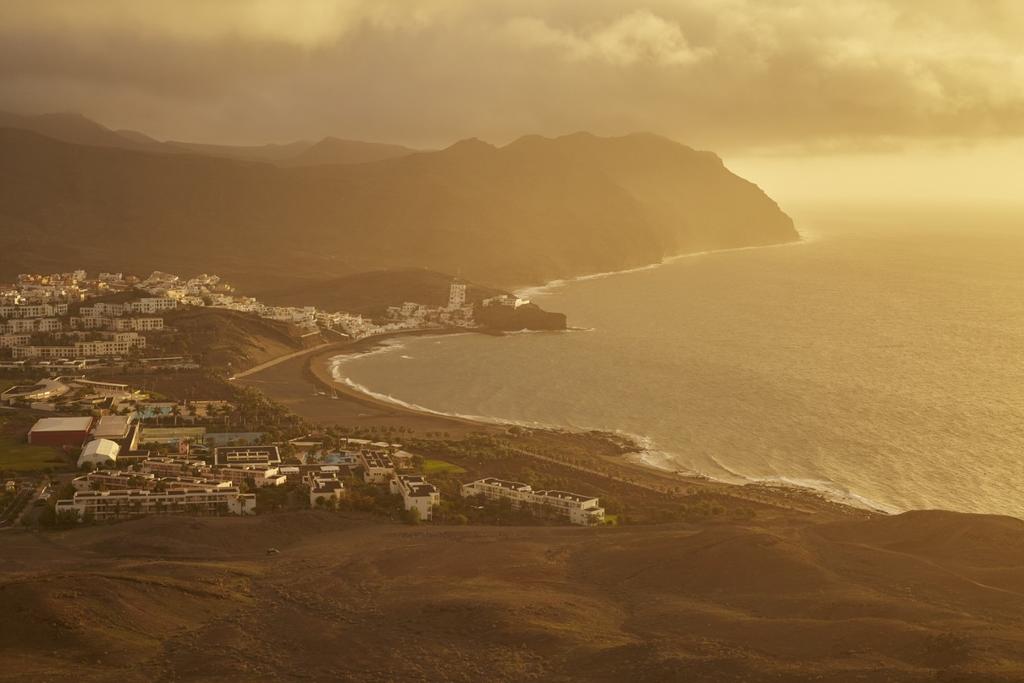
point(304, 384)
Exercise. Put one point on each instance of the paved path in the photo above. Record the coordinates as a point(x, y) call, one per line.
point(280, 359)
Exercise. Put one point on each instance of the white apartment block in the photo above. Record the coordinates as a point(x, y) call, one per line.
point(377, 467)
point(260, 475)
point(118, 324)
point(323, 487)
point(456, 295)
point(578, 509)
point(150, 305)
point(175, 467)
point(9, 341)
point(416, 493)
point(136, 324)
point(102, 309)
point(33, 310)
point(193, 500)
point(29, 325)
point(117, 343)
point(114, 480)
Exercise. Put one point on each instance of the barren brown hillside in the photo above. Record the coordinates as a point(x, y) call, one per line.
point(923, 596)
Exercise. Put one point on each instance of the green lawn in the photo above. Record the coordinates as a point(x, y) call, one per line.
point(440, 467)
point(22, 457)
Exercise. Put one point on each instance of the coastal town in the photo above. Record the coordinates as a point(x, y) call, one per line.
point(84, 448)
point(72, 318)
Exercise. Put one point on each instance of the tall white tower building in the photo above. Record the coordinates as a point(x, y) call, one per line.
point(456, 296)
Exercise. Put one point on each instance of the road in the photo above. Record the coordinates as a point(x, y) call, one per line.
point(280, 359)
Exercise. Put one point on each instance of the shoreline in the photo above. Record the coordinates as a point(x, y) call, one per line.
point(317, 368)
point(528, 291)
point(320, 368)
point(627, 466)
point(624, 468)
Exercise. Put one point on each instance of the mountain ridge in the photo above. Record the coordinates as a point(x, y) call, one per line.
point(532, 211)
point(76, 128)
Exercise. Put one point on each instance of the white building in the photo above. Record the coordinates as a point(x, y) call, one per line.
point(135, 324)
point(99, 453)
point(323, 487)
point(113, 344)
point(114, 480)
point(175, 467)
point(9, 341)
point(227, 456)
point(150, 305)
point(195, 500)
point(259, 475)
point(456, 296)
point(416, 493)
point(377, 467)
point(33, 310)
point(578, 509)
point(113, 427)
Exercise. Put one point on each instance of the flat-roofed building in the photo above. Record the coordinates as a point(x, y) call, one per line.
point(225, 456)
point(114, 480)
point(377, 467)
point(112, 427)
point(175, 467)
point(493, 488)
point(136, 324)
point(60, 431)
point(192, 500)
point(575, 507)
point(150, 305)
point(168, 483)
point(172, 435)
point(259, 475)
point(578, 508)
point(416, 493)
point(10, 341)
point(323, 487)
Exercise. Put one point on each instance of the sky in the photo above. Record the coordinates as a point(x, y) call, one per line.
point(814, 98)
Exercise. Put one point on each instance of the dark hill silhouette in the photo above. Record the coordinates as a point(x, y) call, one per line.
point(77, 129)
point(337, 151)
point(534, 210)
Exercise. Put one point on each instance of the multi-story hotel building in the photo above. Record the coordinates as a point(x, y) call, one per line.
point(578, 509)
point(377, 467)
point(191, 500)
point(416, 493)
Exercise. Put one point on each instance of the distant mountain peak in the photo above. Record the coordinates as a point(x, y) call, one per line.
point(469, 148)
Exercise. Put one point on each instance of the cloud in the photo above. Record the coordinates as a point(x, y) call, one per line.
point(632, 38)
point(735, 74)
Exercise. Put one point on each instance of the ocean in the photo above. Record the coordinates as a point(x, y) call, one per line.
point(880, 361)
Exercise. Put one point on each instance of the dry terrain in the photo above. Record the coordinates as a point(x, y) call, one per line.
point(923, 596)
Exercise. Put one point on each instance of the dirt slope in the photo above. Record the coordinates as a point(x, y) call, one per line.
point(892, 599)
